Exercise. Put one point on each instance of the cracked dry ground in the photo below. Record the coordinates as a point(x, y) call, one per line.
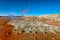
point(5, 28)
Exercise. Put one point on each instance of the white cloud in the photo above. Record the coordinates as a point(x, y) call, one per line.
point(8, 14)
point(3, 14)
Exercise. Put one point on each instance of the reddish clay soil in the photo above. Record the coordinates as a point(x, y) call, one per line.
point(7, 34)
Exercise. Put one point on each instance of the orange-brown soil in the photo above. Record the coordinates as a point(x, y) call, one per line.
point(7, 34)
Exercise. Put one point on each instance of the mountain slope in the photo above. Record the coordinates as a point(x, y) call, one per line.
point(31, 28)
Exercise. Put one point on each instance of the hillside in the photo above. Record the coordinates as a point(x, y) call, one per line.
point(31, 27)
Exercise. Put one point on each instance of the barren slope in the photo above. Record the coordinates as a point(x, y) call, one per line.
point(43, 28)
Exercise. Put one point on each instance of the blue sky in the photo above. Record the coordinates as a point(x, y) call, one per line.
point(34, 7)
